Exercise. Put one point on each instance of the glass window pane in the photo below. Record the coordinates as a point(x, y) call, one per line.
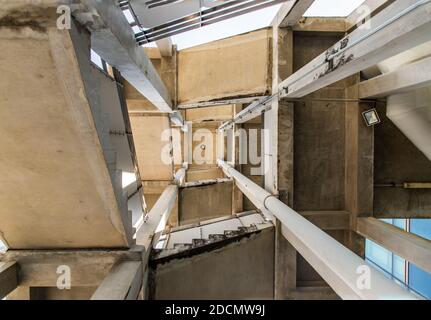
point(401, 223)
point(379, 255)
point(420, 281)
point(421, 227)
point(398, 266)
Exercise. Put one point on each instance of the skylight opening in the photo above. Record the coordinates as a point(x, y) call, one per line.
point(136, 29)
point(129, 16)
point(241, 24)
point(247, 22)
point(128, 178)
point(333, 8)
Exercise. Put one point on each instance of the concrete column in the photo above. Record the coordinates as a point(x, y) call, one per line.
point(278, 159)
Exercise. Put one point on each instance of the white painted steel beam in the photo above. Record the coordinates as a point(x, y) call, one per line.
point(401, 26)
point(157, 217)
point(291, 12)
point(254, 110)
point(113, 39)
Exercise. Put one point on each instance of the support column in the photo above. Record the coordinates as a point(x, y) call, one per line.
point(279, 177)
point(359, 164)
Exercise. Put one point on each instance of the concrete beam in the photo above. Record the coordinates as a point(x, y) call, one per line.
point(328, 220)
point(407, 245)
point(412, 76)
point(39, 268)
point(291, 12)
point(8, 278)
point(113, 39)
point(401, 26)
point(123, 282)
point(318, 24)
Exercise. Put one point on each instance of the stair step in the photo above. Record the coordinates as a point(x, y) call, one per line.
point(199, 242)
point(217, 237)
point(183, 246)
point(232, 233)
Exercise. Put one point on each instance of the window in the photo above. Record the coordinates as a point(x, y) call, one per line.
point(3, 247)
point(398, 268)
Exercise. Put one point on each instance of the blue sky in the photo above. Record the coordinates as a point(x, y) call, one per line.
point(260, 19)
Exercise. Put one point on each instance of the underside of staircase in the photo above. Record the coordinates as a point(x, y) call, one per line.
point(214, 259)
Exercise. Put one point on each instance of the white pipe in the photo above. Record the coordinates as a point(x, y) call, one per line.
point(157, 217)
point(336, 264)
point(180, 175)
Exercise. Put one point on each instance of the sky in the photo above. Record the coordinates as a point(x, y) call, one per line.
point(259, 19)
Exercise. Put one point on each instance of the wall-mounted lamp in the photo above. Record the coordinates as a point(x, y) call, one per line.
point(371, 117)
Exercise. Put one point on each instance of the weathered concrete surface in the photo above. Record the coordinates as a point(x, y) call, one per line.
point(318, 158)
point(56, 190)
point(242, 270)
point(195, 173)
point(218, 113)
point(52, 293)
point(38, 268)
point(205, 202)
point(248, 169)
point(152, 139)
point(397, 160)
point(237, 66)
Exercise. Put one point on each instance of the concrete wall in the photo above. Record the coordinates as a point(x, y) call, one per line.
point(52, 293)
point(319, 136)
point(237, 66)
point(242, 270)
point(153, 153)
point(205, 202)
